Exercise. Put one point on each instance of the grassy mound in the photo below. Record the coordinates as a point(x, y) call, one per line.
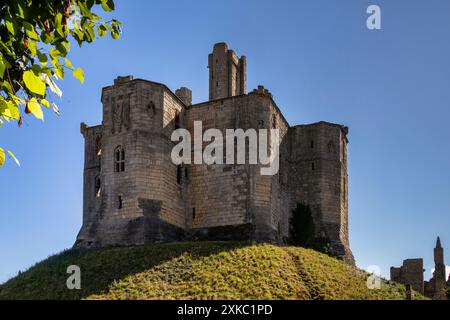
point(200, 270)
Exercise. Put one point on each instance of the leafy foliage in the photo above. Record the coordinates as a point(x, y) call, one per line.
point(34, 45)
point(201, 270)
point(447, 292)
point(302, 227)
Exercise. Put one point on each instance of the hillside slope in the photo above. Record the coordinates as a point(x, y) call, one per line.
point(200, 270)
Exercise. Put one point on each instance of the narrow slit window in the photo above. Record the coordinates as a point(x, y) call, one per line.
point(119, 202)
point(177, 121)
point(98, 187)
point(179, 174)
point(312, 144)
point(193, 213)
point(313, 166)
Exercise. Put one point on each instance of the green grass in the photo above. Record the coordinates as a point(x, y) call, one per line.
point(200, 270)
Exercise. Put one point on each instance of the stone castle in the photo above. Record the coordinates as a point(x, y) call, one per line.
point(411, 273)
point(134, 194)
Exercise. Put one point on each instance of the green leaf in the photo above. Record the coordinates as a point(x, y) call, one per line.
point(69, 64)
point(79, 74)
point(32, 46)
point(101, 30)
point(54, 54)
point(14, 158)
point(58, 24)
point(10, 26)
point(19, 4)
point(29, 31)
point(115, 34)
point(62, 49)
point(2, 68)
point(59, 70)
point(45, 103)
point(9, 110)
point(108, 5)
point(34, 83)
point(89, 33)
point(6, 86)
point(2, 157)
point(42, 58)
point(34, 107)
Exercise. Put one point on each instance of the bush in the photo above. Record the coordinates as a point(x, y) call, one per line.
point(302, 231)
point(324, 247)
point(447, 292)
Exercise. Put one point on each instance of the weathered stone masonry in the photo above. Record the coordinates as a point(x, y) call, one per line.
point(134, 194)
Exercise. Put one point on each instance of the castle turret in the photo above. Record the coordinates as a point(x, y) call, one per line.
point(185, 95)
point(439, 271)
point(227, 73)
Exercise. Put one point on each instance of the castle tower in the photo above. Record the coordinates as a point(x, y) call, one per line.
point(227, 73)
point(439, 271)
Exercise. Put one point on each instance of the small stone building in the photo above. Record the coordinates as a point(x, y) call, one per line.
point(134, 194)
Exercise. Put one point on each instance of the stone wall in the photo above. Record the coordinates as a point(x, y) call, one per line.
point(410, 273)
point(139, 118)
point(318, 167)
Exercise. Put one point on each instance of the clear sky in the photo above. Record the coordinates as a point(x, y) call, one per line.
point(391, 87)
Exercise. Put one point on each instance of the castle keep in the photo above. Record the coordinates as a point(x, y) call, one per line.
point(135, 194)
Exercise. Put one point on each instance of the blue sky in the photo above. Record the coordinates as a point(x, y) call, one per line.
point(391, 87)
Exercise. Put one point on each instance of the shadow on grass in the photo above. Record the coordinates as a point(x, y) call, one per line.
point(100, 268)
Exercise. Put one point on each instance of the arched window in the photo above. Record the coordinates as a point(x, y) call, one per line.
point(119, 159)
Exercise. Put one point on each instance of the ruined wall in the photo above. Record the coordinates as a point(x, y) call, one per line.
point(410, 273)
point(319, 179)
point(91, 175)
